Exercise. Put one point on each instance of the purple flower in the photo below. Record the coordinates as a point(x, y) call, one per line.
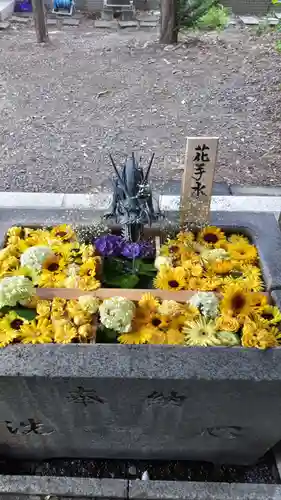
point(143, 249)
point(131, 250)
point(147, 249)
point(109, 245)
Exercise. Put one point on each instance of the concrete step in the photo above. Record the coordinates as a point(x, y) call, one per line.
point(6, 9)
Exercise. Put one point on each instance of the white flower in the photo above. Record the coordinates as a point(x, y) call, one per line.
point(15, 289)
point(211, 255)
point(206, 302)
point(161, 260)
point(34, 257)
point(117, 314)
point(88, 303)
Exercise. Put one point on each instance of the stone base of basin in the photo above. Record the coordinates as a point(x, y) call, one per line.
point(44, 488)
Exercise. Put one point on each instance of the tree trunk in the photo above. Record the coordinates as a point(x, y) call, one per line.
point(40, 21)
point(169, 22)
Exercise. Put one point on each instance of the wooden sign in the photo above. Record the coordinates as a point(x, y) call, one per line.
point(197, 182)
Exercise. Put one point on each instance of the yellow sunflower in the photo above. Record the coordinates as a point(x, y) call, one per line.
point(173, 248)
point(159, 321)
point(255, 334)
point(172, 279)
point(63, 232)
point(211, 236)
point(227, 323)
point(236, 302)
point(200, 333)
point(243, 252)
point(149, 302)
point(64, 331)
point(271, 314)
point(10, 326)
point(89, 267)
point(37, 332)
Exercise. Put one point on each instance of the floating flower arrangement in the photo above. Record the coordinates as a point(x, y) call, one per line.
point(216, 277)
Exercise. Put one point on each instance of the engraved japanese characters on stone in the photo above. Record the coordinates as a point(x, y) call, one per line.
point(84, 396)
point(170, 398)
point(233, 432)
point(30, 426)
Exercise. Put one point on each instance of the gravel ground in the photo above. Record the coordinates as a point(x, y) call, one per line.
point(65, 105)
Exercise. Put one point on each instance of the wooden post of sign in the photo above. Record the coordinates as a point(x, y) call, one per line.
point(40, 21)
point(197, 181)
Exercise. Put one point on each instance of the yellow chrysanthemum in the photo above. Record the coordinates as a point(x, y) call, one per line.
point(63, 232)
point(43, 308)
point(252, 277)
point(257, 335)
point(140, 336)
point(185, 237)
point(49, 279)
point(88, 283)
point(37, 332)
point(87, 332)
point(243, 252)
point(227, 323)
point(58, 307)
point(205, 284)
point(174, 337)
point(15, 231)
point(34, 237)
point(87, 251)
point(211, 236)
point(221, 266)
point(258, 300)
point(271, 314)
point(170, 308)
point(149, 302)
point(172, 279)
point(238, 238)
point(236, 302)
point(64, 331)
point(200, 333)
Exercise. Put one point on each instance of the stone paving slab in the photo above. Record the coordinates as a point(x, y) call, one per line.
point(148, 24)
point(250, 20)
point(238, 190)
point(128, 24)
point(106, 24)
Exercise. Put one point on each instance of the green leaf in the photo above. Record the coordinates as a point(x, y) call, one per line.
point(123, 281)
point(129, 281)
point(25, 313)
point(146, 268)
